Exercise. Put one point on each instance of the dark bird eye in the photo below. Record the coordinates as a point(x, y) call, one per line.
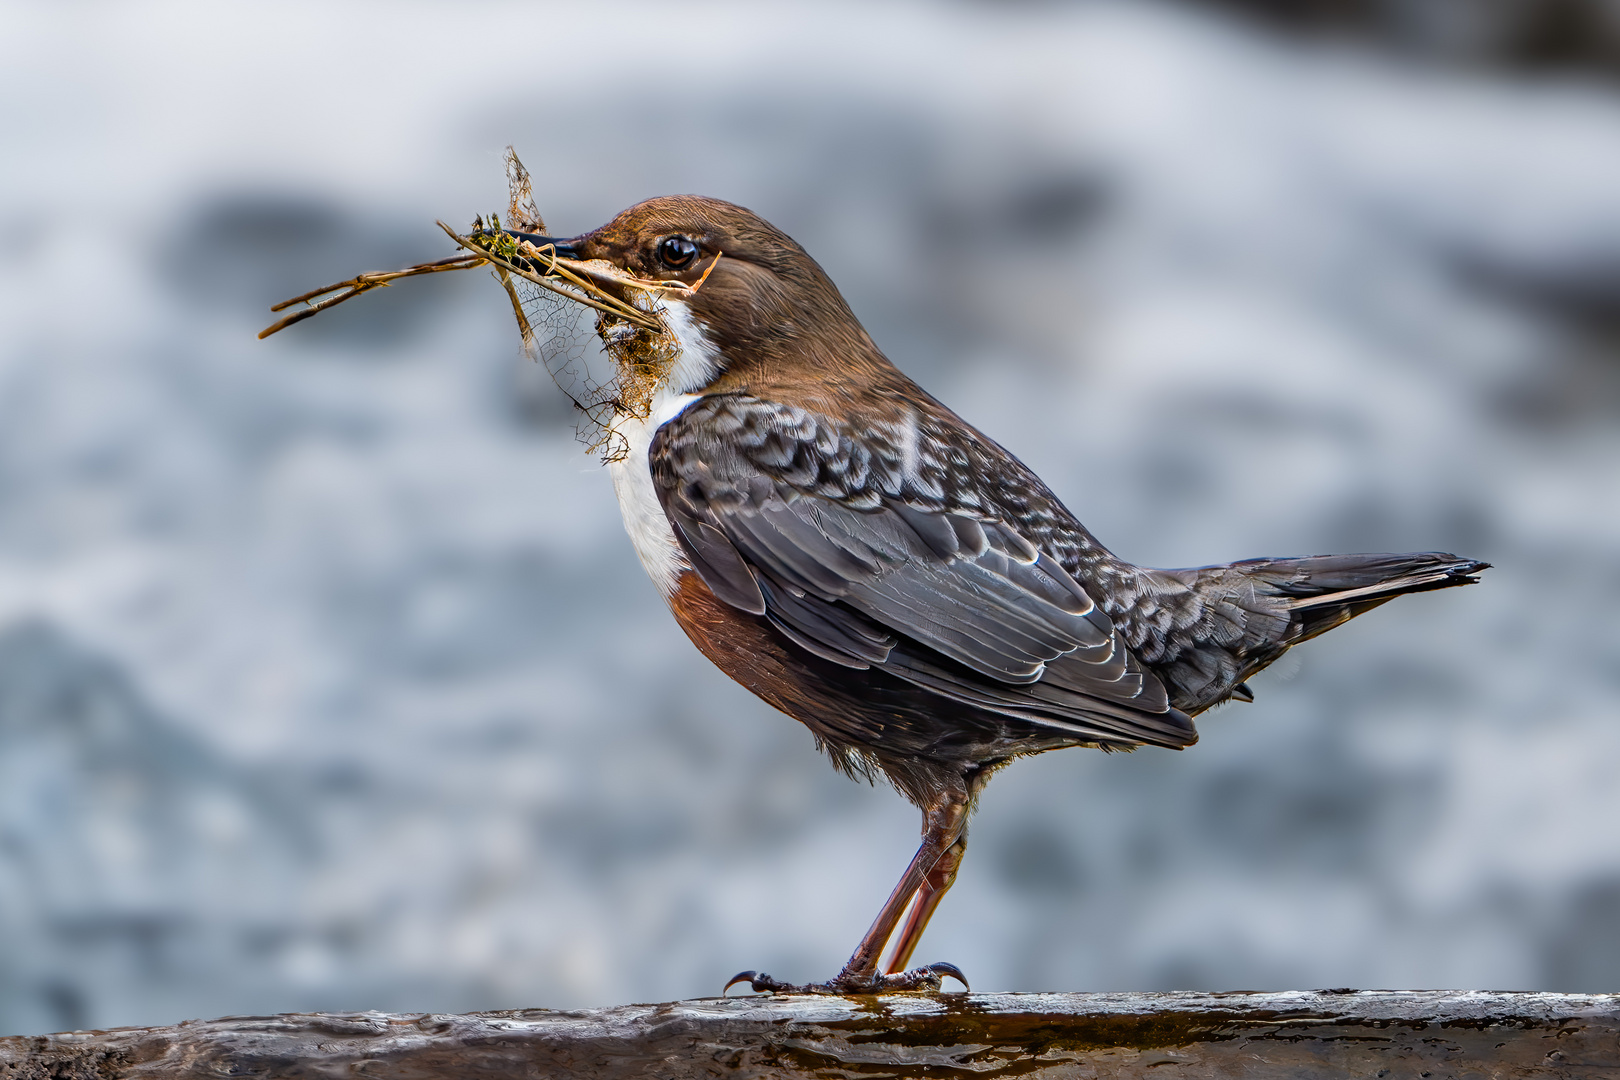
point(677, 252)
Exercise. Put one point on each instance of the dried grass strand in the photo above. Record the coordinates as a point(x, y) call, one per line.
point(360, 284)
point(525, 329)
point(596, 297)
point(705, 277)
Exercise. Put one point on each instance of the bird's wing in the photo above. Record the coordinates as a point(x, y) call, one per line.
point(788, 515)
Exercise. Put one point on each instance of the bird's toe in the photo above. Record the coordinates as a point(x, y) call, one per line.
point(929, 977)
point(923, 978)
point(762, 983)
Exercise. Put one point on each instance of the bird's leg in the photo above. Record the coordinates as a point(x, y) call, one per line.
point(943, 824)
point(937, 882)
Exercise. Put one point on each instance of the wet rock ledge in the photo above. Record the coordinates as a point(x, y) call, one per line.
point(1369, 1033)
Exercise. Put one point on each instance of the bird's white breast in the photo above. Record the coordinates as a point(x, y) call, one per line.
point(644, 518)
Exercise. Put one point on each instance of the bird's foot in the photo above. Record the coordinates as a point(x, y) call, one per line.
point(923, 978)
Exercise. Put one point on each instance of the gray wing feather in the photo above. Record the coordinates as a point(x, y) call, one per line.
point(844, 638)
point(718, 563)
point(960, 604)
point(993, 614)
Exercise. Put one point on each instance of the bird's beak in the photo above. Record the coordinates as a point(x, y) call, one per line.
point(609, 282)
point(565, 248)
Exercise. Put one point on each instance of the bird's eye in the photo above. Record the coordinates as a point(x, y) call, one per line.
point(677, 252)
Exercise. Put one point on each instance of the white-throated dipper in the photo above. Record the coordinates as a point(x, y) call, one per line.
point(853, 552)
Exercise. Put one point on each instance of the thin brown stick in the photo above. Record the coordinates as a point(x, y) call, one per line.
point(707, 272)
point(608, 304)
point(586, 278)
point(454, 262)
point(364, 283)
point(525, 331)
point(588, 281)
point(597, 279)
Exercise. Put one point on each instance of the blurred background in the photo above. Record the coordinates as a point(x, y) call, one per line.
point(328, 678)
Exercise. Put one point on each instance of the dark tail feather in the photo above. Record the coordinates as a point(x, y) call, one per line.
point(1324, 591)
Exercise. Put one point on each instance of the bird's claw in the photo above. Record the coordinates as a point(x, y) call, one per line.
point(764, 984)
point(923, 978)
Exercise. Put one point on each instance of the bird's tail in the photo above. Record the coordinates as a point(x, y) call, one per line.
point(1324, 591)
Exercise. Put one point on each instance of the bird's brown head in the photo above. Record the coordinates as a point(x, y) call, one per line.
point(765, 306)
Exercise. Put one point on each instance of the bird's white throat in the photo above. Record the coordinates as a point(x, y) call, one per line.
point(644, 519)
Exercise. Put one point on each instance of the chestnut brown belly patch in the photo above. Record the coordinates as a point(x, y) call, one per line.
point(862, 717)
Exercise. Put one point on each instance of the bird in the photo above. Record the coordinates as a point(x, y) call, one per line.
point(842, 544)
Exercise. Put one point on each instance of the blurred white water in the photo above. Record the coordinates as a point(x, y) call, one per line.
point(328, 678)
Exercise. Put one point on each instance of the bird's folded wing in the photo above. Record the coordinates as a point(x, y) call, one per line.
point(785, 516)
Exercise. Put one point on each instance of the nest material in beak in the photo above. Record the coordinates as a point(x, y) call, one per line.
point(548, 290)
